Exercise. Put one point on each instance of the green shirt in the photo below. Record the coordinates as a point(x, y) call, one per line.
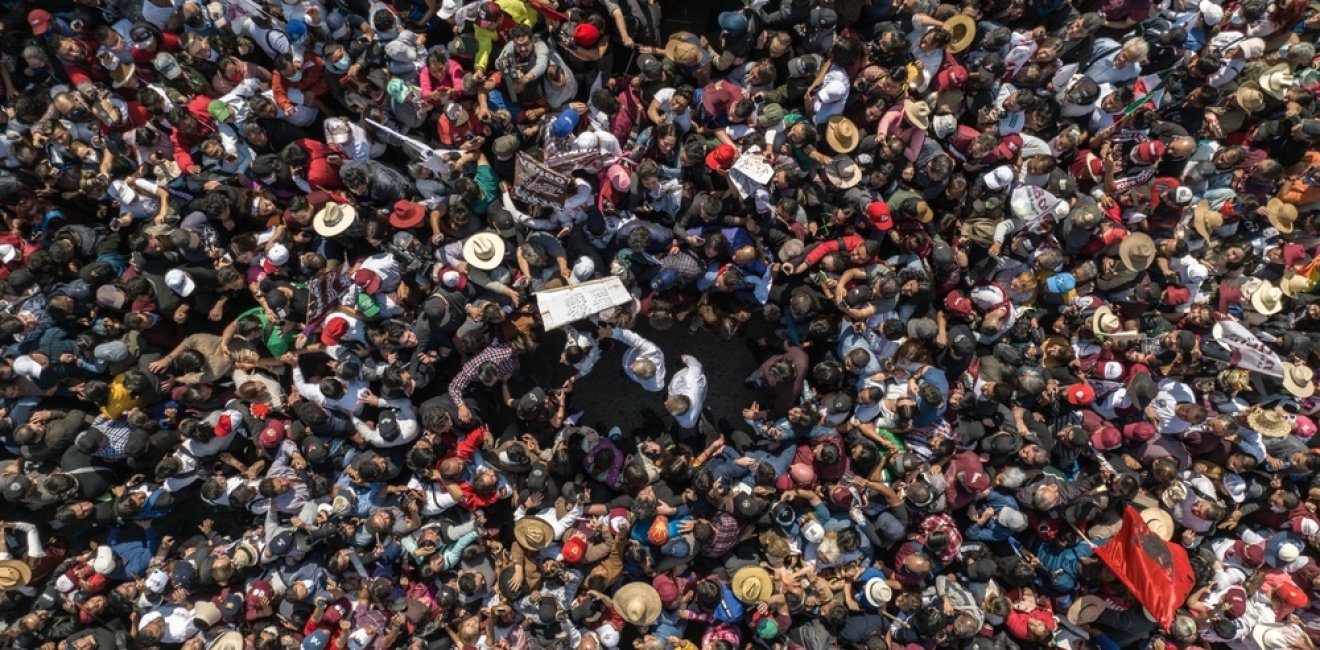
point(275, 340)
point(490, 188)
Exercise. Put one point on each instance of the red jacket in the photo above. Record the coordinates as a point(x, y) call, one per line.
point(311, 84)
point(185, 142)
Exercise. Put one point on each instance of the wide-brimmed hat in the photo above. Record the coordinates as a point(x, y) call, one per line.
point(962, 31)
point(14, 574)
point(1252, 100)
point(843, 173)
point(752, 584)
point(229, 640)
point(1298, 380)
point(877, 592)
point(1105, 321)
point(1086, 610)
point(1159, 522)
point(917, 113)
point(334, 219)
point(1282, 215)
point(533, 533)
point(685, 49)
point(122, 73)
point(1269, 422)
point(245, 555)
point(407, 214)
point(1205, 220)
point(637, 603)
point(484, 250)
point(1137, 252)
point(841, 134)
point(1268, 299)
point(1276, 81)
point(1283, 548)
point(1293, 283)
point(1274, 636)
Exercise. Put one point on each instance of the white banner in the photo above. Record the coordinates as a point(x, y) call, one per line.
point(1246, 351)
point(560, 307)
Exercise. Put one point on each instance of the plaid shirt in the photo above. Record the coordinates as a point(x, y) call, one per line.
point(499, 353)
point(727, 533)
point(116, 434)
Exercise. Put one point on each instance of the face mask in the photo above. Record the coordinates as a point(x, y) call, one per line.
point(296, 76)
point(1237, 19)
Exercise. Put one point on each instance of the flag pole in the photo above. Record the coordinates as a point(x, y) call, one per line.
point(1080, 534)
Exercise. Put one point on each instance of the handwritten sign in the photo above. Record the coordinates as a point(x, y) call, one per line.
point(536, 183)
point(560, 307)
point(1245, 350)
point(755, 167)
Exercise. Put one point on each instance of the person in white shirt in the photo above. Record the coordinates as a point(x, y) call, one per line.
point(644, 363)
point(350, 402)
point(1119, 66)
point(687, 393)
point(830, 95)
point(170, 624)
point(580, 351)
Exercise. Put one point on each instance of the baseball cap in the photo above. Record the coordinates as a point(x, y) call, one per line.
point(180, 282)
point(1147, 153)
point(722, 157)
point(879, 214)
point(1080, 394)
point(39, 21)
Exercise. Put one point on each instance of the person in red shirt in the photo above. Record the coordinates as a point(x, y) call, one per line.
point(307, 76)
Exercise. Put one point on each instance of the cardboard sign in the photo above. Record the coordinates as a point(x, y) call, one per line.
point(536, 183)
point(1246, 351)
point(560, 307)
point(755, 167)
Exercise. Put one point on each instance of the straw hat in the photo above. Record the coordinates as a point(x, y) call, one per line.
point(334, 219)
point(917, 113)
point(1159, 522)
point(962, 28)
point(1205, 220)
point(1273, 636)
point(1137, 252)
point(229, 640)
point(1269, 422)
point(1297, 378)
point(841, 134)
point(1252, 100)
point(1293, 283)
point(1086, 610)
point(1268, 299)
point(1104, 321)
point(14, 574)
point(121, 74)
point(752, 584)
point(484, 250)
point(1277, 80)
point(245, 555)
point(1281, 215)
point(843, 173)
point(878, 592)
point(638, 603)
point(533, 533)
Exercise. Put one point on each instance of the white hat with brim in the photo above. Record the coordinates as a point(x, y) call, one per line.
point(1268, 299)
point(1298, 380)
point(1137, 252)
point(1086, 610)
point(1269, 422)
point(878, 592)
point(638, 603)
point(14, 574)
point(1273, 636)
point(917, 113)
point(334, 219)
point(484, 250)
point(229, 640)
point(1277, 80)
point(1104, 321)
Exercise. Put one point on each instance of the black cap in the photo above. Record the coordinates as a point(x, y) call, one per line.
point(281, 544)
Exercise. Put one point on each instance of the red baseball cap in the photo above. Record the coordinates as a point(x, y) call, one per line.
point(367, 280)
point(39, 20)
point(1177, 296)
point(667, 589)
point(958, 304)
point(1106, 437)
point(586, 35)
point(1148, 152)
point(272, 435)
point(1292, 595)
point(1080, 394)
point(224, 426)
point(574, 549)
point(878, 213)
point(722, 157)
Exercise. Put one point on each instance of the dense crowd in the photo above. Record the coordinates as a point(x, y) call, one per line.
point(1030, 284)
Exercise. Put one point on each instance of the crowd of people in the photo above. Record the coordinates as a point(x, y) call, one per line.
point(276, 373)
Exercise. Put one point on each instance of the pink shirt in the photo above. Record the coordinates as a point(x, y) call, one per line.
point(892, 125)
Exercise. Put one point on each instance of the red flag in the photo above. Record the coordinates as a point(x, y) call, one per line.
point(1155, 571)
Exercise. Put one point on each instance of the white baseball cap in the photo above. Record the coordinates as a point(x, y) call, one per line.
point(180, 282)
point(26, 366)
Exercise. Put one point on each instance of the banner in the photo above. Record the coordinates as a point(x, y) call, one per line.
point(1245, 350)
point(560, 307)
point(1156, 572)
point(534, 182)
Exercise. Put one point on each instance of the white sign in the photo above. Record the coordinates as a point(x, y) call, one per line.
point(1246, 351)
point(560, 307)
point(755, 167)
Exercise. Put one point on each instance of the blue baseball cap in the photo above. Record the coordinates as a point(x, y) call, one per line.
point(733, 22)
point(297, 30)
point(317, 640)
point(1061, 283)
point(565, 123)
point(665, 280)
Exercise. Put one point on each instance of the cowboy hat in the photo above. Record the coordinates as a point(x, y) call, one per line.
point(1273, 636)
point(1293, 283)
point(245, 555)
point(637, 603)
point(752, 584)
point(1159, 522)
point(334, 219)
point(121, 74)
point(1104, 321)
point(14, 574)
point(917, 113)
point(841, 134)
point(1269, 422)
point(1281, 215)
point(843, 173)
point(229, 640)
point(1137, 252)
point(1086, 610)
point(1205, 220)
point(533, 533)
point(1297, 379)
point(962, 29)
point(878, 592)
point(1268, 299)
point(1277, 80)
point(484, 250)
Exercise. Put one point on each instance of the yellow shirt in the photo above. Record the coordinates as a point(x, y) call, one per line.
point(121, 401)
point(517, 10)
